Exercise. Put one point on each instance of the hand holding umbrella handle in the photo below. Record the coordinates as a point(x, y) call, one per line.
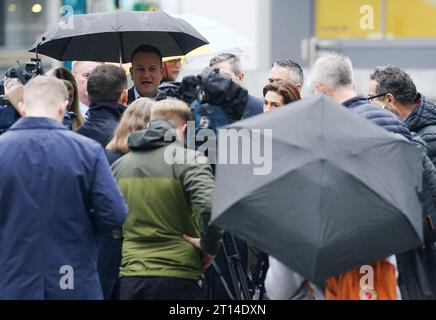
point(207, 260)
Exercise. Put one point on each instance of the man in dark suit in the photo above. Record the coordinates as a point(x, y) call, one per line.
point(146, 72)
point(230, 65)
point(107, 90)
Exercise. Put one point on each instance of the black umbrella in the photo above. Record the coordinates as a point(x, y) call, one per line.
point(113, 36)
point(342, 192)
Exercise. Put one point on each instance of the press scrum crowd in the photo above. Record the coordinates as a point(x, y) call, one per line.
point(90, 209)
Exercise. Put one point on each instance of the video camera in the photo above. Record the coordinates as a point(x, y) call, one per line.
point(31, 69)
point(22, 73)
point(8, 114)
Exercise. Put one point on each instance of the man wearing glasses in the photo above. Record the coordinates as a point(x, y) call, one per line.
point(171, 69)
point(393, 89)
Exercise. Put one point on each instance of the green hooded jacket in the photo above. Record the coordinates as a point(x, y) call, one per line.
point(168, 190)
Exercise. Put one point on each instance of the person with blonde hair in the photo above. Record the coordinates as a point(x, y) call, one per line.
point(74, 115)
point(167, 198)
point(135, 118)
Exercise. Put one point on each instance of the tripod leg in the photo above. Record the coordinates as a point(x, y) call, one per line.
point(231, 265)
point(260, 275)
point(223, 281)
point(242, 275)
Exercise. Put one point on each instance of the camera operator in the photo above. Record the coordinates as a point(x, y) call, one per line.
point(11, 90)
point(11, 95)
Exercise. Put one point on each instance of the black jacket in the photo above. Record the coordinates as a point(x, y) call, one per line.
point(131, 95)
point(417, 276)
point(422, 120)
point(102, 121)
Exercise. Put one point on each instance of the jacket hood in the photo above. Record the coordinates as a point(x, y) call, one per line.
point(160, 133)
point(422, 116)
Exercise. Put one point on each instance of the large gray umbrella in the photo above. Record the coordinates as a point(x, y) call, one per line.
point(342, 192)
point(113, 36)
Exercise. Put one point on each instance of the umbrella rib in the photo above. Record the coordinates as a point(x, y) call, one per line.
point(177, 42)
point(65, 48)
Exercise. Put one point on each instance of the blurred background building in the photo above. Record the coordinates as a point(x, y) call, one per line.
point(371, 32)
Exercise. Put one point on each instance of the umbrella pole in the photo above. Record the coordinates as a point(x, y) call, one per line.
point(121, 51)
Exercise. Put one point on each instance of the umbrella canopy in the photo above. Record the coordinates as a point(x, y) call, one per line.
point(221, 39)
point(113, 36)
point(342, 192)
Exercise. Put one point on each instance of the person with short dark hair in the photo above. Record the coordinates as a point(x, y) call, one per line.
point(230, 65)
point(107, 91)
point(146, 72)
point(393, 89)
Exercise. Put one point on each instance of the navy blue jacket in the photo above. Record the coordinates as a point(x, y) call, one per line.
point(379, 116)
point(56, 193)
point(102, 121)
point(109, 253)
point(253, 108)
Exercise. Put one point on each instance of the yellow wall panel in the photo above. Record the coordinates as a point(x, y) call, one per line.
point(411, 18)
point(341, 19)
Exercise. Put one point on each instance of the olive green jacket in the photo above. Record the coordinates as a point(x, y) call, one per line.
point(165, 200)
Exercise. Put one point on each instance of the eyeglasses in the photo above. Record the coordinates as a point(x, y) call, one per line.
point(370, 98)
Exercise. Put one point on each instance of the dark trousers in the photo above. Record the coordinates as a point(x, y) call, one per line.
point(108, 266)
point(417, 273)
point(160, 288)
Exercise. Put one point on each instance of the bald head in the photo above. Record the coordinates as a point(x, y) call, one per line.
point(44, 96)
point(81, 71)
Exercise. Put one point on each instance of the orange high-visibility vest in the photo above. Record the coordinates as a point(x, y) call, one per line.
point(352, 285)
